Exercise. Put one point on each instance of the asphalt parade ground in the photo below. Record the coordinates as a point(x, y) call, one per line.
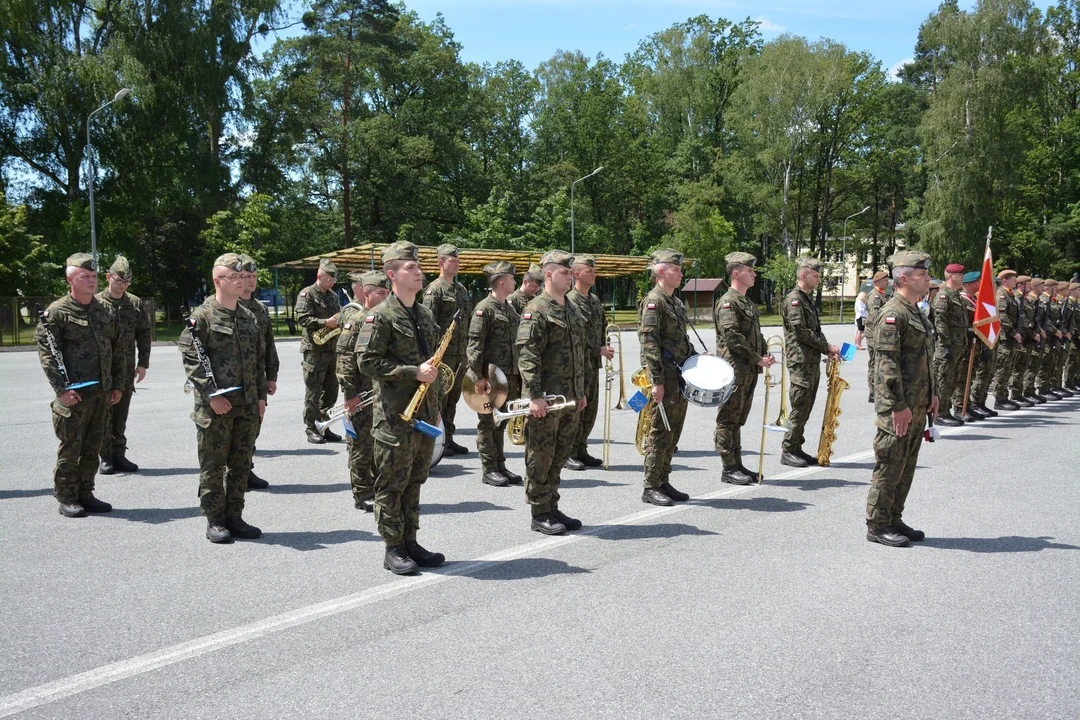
point(746, 602)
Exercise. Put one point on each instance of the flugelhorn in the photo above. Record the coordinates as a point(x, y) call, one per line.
point(520, 407)
point(338, 411)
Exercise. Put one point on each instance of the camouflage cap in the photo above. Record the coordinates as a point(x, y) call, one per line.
point(327, 266)
point(910, 259)
point(880, 275)
point(1021, 278)
point(249, 263)
point(120, 268)
point(665, 255)
point(229, 260)
point(356, 276)
point(809, 262)
point(535, 273)
point(376, 278)
point(973, 276)
point(400, 250)
point(447, 250)
point(1009, 273)
point(585, 260)
point(499, 267)
point(558, 257)
point(82, 260)
point(741, 258)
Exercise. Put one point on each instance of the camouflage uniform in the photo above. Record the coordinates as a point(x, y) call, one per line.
point(271, 362)
point(1017, 378)
point(1072, 366)
point(971, 345)
point(740, 342)
point(904, 381)
point(804, 344)
point(664, 348)
point(950, 322)
point(590, 308)
point(492, 331)
point(87, 337)
point(875, 300)
point(1007, 350)
point(134, 328)
point(551, 359)
point(313, 308)
point(1036, 350)
point(392, 344)
point(1044, 377)
point(234, 343)
point(444, 299)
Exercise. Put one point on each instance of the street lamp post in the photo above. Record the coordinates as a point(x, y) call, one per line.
point(572, 204)
point(120, 95)
point(843, 261)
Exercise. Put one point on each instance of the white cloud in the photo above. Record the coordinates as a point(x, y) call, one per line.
point(768, 26)
point(631, 26)
point(893, 74)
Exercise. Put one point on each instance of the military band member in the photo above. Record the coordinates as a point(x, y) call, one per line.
point(369, 288)
point(1038, 340)
point(444, 297)
point(905, 395)
point(804, 344)
point(226, 424)
point(982, 366)
point(551, 359)
point(740, 342)
point(134, 326)
point(492, 330)
point(531, 283)
point(596, 350)
point(664, 348)
point(394, 348)
point(1011, 343)
point(77, 341)
point(271, 363)
point(875, 299)
point(317, 308)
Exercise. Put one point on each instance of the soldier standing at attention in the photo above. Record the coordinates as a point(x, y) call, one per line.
point(317, 307)
point(875, 300)
point(226, 425)
point(1026, 327)
point(804, 344)
point(83, 331)
point(394, 349)
point(1046, 386)
point(906, 393)
point(551, 358)
point(444, 297)
point(983, 368)
point(492, 330)
point(1038, 341)
point(1010, 345)
point(531, 282)
point(271, 363)
point(369, 288)
point(951, 323)
point(664, 348)
point(596, 350)
point(740, 342)
point(134, 328)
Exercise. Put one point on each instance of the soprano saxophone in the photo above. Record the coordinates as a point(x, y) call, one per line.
point(421, 392)
point(831, 421)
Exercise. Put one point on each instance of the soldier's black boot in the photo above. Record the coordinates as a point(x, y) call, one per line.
point(495, 479)
point(948, 420)
point(909, 532)
point(1022, 401)
point(987, 411)
point(574, 464)
point(568, 522)
point(547, 523)
point(240, 529)
point(970, 417)
point(397, 560)
point(753, 475)
point(672, 493)
point(887, 536)
point(514, 478)
point(92, 505)
point(72, 509)
point(107, 467)
point(314, 437)
point(810, 459)
point(1064, 391)
point(122, 464)
point(216, 532)
point(654, 496)
point(458, 448)
point(367, 505)
point(1007, 405)
point(792, 460)
point(422, 557)
point(978, 412)
point(589, 461)
point(330, 435)
point(255, 482)
point(736, 476)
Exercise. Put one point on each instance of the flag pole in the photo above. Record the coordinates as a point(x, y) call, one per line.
point(967, 385)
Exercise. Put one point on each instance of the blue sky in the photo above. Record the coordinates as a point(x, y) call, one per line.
point(533, 30)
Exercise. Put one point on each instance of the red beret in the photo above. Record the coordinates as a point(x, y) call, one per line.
point(954, 268)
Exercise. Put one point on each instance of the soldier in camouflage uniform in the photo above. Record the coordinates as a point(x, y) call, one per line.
point(370, 288)
point(664, 348)
point(804, 344)
point(531, 283)
point(1037, 299)
point(1072, 366)
point(1044, 378)
point(740, 342)
point(1028, 332)
point(317, 307)
point(134, 327)
point(271, 363)
point(394, 348)
point(492, 330)
point(596, 350)
point(905, 395)
point(1064, 342)
point(551, 359)
point(875, 299)
point(950, 322)
point(1011, 342)
point(444, 297)
point(983, 367)
point(226, 424)
point(77, 340)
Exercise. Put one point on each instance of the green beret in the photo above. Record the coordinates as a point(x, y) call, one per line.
point(741, 258)
point(377, 278)
point(249, 263)
point(973, 276)
point(585, 260)
point(82, 260)
point(229, 260)
point(447, 250)
point(665, 255)
point(558, 257)
point(327, 266)
point(535, 273)
point(120, 268)
point(400, 250)
point(910, 258)
point(499, 267)
point(806, 261)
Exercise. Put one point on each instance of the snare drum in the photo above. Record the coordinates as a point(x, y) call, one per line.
point(708, 380)
point(440, 446)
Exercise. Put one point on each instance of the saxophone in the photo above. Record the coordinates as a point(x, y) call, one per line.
point(421, 392)
point(831, 420)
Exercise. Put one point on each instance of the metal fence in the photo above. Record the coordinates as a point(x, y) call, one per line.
point(19, 318)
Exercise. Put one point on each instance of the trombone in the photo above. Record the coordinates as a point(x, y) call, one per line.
point(520, 407)
point(610, 373)
point(338, 411)
point(783, 423)
point(613, 328)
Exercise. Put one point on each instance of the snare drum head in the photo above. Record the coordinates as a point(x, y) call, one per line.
point(708, 372)
point(440, 446)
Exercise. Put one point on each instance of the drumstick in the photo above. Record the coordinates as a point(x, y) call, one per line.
point(663, 415)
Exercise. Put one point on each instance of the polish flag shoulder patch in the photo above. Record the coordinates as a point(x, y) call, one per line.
point(303, 293)
point(527, 316)
point(651, 306)
point(479, 313)
point(794, 303)
point(369, 319)
point(726, 305)
point(890, 321)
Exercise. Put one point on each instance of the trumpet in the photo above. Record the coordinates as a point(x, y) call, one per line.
point(338, 411)
point(520, 407)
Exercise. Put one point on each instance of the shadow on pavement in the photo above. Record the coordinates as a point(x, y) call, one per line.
point(1005, 544)
point(465, 506)
point(521, 569)
point(158, 472)
point(697, 453)
point(153, 516)
point(585, 482)
point(295, 489)
point(646, 532)
point(442, 470)
point(812, 483)
point(976, 436)
point(761, 504)
point(14, 494)
point(304, 541)
point(296, 451)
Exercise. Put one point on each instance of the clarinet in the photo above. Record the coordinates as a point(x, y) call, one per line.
point(200, 352)
point(55, 351)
